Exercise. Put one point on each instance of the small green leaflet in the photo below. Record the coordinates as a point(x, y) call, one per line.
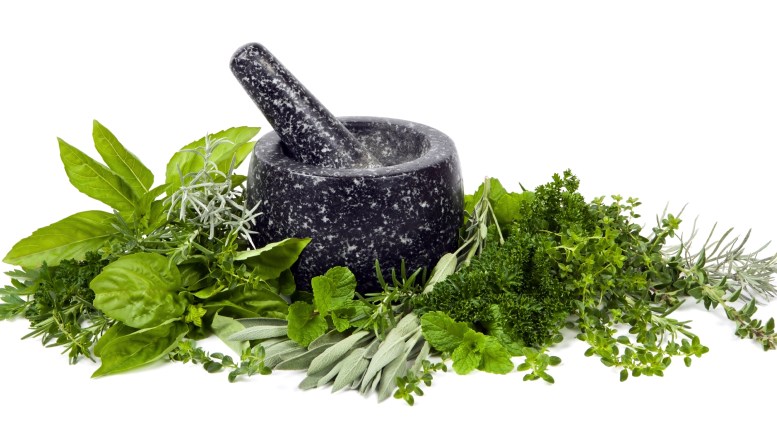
point(140, 290)
point(71, 237)
point(96, 180)
point(305, 325)
point(122, 161)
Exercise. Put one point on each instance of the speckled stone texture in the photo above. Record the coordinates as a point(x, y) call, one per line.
point(409, 208)
point(309, 132)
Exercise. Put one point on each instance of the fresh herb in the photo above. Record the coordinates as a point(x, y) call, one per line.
point(251, 360)
point(57, 301)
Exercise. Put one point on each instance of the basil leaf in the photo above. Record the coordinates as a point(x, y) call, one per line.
point(96, 180)
point(261, 300)
point(121, 160)
point(69, 238)
point(117, 330)
point(304, 324)
point(140, 290)
point(237, 146)
point(271, 260)
point(140, 347)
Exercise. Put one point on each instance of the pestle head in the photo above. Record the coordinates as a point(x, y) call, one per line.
point(309, 133)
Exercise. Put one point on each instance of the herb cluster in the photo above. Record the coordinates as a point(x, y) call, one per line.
point(174, 263)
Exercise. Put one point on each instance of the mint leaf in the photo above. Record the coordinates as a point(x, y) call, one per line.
point(96, 180)
point(121, 160)
point(496, 358)
point(468, 355)
point(69, 238)
point(442, 332)
point(304, 324)
point(334, 290)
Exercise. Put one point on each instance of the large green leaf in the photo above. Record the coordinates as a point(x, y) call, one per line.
point(140, 290)
point(136, 349)
point(273, 259)
point(121, 160)
point(236, 146)
point(96, 180)
point(71, 237)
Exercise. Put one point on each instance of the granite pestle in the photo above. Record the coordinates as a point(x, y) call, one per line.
point(309, 133)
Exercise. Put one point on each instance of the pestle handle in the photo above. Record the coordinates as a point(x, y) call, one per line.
point(309, 132)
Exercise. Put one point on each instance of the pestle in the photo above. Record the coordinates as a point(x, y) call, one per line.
point(309, 133)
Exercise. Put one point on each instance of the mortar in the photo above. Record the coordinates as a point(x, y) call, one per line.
point(404, 202)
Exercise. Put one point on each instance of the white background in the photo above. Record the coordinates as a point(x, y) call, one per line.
point(669, 101)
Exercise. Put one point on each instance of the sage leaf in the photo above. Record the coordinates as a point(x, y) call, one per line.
point(225, 327)
point(336, 352)
point(273, 259)
point(331, 374)
point(389, 350)
point(139, 290)
point(354, 366)
point(330, 337)
point(96, 180)
point(302, 361)
point(139, 348)
point(259, 333)
point(262, 321)
point(445, 267)
point(388, 380)
point(69, 238)
point(122, 161)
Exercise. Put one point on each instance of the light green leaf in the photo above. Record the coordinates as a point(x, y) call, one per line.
point(117, 330)
point(96, 180)
point(442, 332)
point(237, 146)
point(496, 359)
point(140, 348)
point(224, 327)
point(304, 324)
point(334, 290)
point(140, 290)
point(445, 267)
point(69, 238)
point(466, 357)
point(273, 259)
point(121, 160)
